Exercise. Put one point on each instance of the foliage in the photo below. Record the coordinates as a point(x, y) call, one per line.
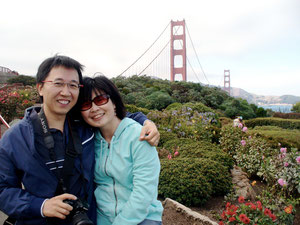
point(257, 157)
point(283, 123)
point(296, 108)
point(25, 80)
point(230, 139)
point(287, 115)
point(188, 123)
point(180, 180)
point(238, 107)
point(14, 102)
point(158, 100)
point(251, 155)
point(275, 135)
point(192, 181)
point(188, 148)
point(134, 109)
point(136, 89)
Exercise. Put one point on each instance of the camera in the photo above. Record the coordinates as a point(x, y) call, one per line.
point(78, 215)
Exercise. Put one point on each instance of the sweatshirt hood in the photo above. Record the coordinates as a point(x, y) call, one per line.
point(126, 122)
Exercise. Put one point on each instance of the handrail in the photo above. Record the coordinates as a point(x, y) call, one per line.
point(4, 122)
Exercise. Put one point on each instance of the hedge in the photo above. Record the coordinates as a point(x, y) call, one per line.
point(189, 148)
point(192, 182)
point(279, 122)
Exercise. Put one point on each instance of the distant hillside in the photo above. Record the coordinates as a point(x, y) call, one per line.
point(264, 100)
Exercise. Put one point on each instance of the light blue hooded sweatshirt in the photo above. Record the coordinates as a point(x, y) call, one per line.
point(126, 177)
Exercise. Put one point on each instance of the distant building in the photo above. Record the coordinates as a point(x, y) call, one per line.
point(6, 74)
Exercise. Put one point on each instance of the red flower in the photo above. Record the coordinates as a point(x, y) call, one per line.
point(227, 204)
point(267, 212)
point(231, 219)
point(273, 217)
point(241, 199)
point(221, 223)
point(244, 219)
point(259, 205)
point(223, 216)
point(253, 206)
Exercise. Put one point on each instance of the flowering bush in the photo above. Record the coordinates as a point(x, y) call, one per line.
point(187, 123)
point(14, 102)
point(288, 169)
point(254, 213)
point(258, 157)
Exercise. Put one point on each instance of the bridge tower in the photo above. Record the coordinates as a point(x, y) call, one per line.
point(178, 52)
point(227, 81)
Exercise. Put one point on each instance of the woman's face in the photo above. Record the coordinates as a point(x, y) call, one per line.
point(102, 116)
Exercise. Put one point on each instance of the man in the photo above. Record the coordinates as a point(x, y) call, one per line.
point(27, 158)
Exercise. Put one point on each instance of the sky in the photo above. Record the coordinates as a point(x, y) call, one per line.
point(257, 40)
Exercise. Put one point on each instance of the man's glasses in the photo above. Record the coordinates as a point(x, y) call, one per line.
point(60, 84)
point(98, 100)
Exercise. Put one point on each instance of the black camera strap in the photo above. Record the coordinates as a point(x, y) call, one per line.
point(73, 150)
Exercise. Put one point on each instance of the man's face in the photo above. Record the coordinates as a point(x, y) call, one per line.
point(59, 98)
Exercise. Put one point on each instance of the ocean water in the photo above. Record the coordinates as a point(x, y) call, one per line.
point(278, 108)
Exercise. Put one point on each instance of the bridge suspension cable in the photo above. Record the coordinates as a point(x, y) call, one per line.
point(196, 53)
point(145, 51)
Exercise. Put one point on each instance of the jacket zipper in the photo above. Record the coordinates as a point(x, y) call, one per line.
point(114, 182)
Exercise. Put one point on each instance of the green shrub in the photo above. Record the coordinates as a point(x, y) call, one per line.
point(231, 138)
point(188, 148)
point(133, 109)
point(279, 122)
point(174, 106)
point(192, 182)
point(165, 136)
point(187, 123)
point(251, 155)
point(182, 181)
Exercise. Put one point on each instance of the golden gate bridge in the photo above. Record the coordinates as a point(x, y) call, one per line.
point(167, 58)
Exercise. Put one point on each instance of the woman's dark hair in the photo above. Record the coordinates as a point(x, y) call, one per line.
point(102, 84)
point(58, 60)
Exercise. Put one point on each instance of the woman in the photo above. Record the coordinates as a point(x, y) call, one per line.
point(126, 169)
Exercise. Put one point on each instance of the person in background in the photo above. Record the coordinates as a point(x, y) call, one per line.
point(126, 170)
point(33, 189)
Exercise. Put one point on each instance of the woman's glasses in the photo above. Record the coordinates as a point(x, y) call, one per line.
point(98, 100)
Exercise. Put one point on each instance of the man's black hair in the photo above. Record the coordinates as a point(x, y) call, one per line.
point(58, 60)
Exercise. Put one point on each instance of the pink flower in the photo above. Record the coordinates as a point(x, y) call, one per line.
point(298, 159)
point(249, 137)
point(176, 153)
point(282, 182)
point(243, 142)
point(286, 164)
point(283, 150)
point(240, 125)
point(245, 129)
point(281, 156)
point(169, 156)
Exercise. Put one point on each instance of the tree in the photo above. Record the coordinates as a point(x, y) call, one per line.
point(296, 108)
point(25, 80)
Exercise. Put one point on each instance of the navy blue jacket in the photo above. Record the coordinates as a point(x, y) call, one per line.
point(20, 164)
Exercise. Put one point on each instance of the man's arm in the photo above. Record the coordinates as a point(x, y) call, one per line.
point(149, 131)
